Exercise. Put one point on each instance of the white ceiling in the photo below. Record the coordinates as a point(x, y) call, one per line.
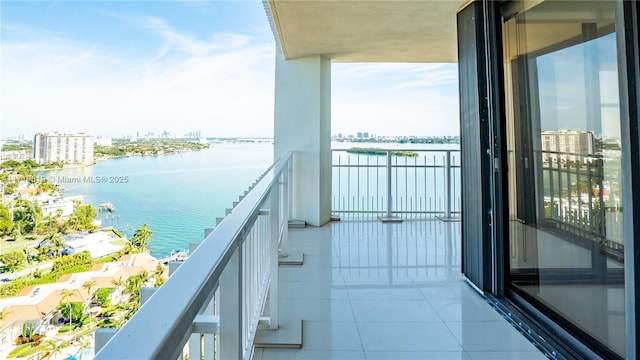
point(367, 30)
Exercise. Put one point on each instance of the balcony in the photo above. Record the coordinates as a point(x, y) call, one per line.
point(373, 290)
point(364, 289)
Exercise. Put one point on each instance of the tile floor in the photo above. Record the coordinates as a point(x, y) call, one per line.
point(369, 290)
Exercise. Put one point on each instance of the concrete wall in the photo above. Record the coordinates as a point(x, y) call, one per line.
point(303, 125)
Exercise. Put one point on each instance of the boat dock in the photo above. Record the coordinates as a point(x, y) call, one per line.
point(107, 207)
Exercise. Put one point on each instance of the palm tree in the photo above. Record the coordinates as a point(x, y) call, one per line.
point(128, 248)
point(83, 343)
point(66, 297)
point(134, 284)
point(144, 277)
point(56, 242)
point(158, 275)
point(119, 284)
point(141, 237)
point(88, 285)
point(54, 346)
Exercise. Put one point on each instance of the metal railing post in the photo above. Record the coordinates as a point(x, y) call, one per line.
point(231, 301)
point(274, 238)
point(389, 202)
point(289, 203)
point(447, 179)
point(286, 211)
point(389, 215)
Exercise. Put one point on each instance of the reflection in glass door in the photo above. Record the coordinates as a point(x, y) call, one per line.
point(564, 167)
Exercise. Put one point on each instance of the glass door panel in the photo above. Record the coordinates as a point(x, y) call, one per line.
point(564, 160)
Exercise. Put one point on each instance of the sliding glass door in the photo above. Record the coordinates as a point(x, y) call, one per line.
point(565, 247)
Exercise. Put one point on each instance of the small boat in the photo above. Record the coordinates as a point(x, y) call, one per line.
point(176, 255)
point(107, 207)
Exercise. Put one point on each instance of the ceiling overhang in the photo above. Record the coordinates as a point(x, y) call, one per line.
point(366, 31)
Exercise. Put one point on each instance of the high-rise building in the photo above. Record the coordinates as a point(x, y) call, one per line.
point(64, 148)
point(569, 145)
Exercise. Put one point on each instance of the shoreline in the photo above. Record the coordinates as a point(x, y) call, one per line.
point(109, 157)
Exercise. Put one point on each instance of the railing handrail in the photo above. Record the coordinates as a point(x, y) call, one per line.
point(399, 149)
point(162, 326)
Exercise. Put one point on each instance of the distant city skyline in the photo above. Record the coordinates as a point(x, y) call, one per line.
point(112, 68)
point(197, 135)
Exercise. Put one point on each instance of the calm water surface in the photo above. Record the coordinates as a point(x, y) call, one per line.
point(180, 195)
point(177, 196)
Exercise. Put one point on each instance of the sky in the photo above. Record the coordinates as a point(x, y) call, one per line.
point(115, 68)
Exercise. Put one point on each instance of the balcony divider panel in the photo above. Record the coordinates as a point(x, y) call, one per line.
point(476, 150)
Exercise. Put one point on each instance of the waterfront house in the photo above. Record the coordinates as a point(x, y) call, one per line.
point(38, 304)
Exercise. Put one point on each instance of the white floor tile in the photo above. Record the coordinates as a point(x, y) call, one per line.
point(303, 354)
point(407, 336)
point(385, 293)
point(318, 309)
point(490, 336)
point(393, 310)
point(310, 274)
point(308, 290)
point(454, 290)
point(495, 355)
point(466, 309)
point(331, 336)
point(369, 290)
point(412, 355)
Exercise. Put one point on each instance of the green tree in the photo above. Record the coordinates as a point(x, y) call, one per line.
point(46, 187)
point(54, 347)
point(70, 310)
point(89, 285)
point(13, 260)
point(10, 164)
point(82, 218)
point(134, 284)
point(103, 296)
point(26, 216)
point(55, 243)
point(158, 276)
point(31, 163)
point(48, 224)
point(72, 263)
point(119, 284)
point(26, 173)
point(10, 187)
point(6, 223)
point(144, 276)
point(141, 238)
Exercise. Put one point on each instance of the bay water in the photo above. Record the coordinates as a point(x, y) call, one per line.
point(180, 195)
point(176, 195)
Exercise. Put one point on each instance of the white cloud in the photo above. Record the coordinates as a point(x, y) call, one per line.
point(395, 99)
point(222, 85)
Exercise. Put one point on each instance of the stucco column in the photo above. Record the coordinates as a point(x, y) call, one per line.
point(303, 125)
